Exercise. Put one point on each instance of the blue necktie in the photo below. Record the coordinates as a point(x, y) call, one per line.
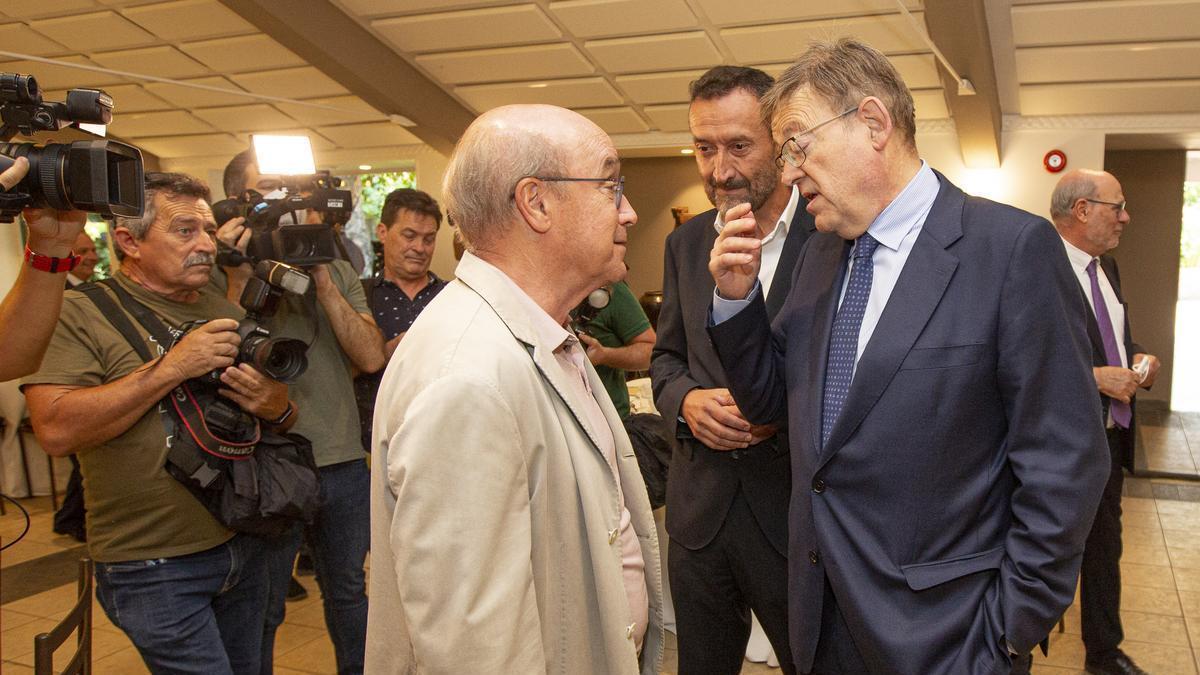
point(843, 339)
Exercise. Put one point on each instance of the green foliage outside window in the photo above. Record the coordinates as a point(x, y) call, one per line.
point(1189, 245)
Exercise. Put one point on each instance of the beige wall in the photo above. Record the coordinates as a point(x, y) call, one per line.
point(1149, 250)
point(654, 185)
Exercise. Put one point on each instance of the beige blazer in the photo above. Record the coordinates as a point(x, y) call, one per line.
point(493, 512)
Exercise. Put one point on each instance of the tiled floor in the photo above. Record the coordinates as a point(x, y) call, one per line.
point(1160, 595)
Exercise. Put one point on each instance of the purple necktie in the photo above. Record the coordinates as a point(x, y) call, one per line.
point(1121, 414)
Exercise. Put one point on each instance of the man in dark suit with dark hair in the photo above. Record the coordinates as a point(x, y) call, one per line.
point(1088, 208)
point(729, 482)
point(931, 360)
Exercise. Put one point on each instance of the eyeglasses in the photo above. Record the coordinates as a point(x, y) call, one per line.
point(617, 183)
point(1117, 206)
point(792, 153)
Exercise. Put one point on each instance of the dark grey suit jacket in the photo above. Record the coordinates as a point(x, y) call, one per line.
point(949, 509)
point(701, 486)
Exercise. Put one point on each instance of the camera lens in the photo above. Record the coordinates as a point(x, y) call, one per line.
point(282, 359)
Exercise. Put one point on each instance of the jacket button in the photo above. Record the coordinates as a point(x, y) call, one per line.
point(629, 631)
point(612, 536)
point(818, 485)
point(814, 557)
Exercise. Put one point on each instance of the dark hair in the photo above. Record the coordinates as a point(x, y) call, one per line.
point(234, 179)
point(722, 80)
point(408, 199)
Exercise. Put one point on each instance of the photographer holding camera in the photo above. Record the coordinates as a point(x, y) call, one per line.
point(344, 340)
point(182, 586)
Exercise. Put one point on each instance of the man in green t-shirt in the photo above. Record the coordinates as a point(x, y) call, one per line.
point(619, 339)
point(181, 586)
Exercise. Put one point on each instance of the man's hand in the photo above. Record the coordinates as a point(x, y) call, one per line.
point(208, 347)
point(13, 174)
point(713, 418)
point(758, 432)
point(52, 232)
point(322, 280)
point(389, 347)
point(737, 254)
point(1152, 372)
point(1116, 382)
point(596, 352)
point(254, 392)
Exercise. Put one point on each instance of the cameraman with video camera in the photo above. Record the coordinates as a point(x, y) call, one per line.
point(183, 586)
point(344, 340)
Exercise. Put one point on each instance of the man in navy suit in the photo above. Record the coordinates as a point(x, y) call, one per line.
point(1088, 209)
point(931, 359)
point(729, 483)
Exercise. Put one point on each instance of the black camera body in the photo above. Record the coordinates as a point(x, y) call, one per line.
point(100, 176)
point(295, 243)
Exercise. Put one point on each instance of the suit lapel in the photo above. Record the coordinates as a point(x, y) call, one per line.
point(917, 293)
point(798, 231)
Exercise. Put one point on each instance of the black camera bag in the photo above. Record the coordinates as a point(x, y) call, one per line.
point(260, 485)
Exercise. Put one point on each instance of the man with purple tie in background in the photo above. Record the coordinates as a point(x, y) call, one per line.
point(1088, 208)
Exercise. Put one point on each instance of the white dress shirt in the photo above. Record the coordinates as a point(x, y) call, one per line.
point(896, 229)
point(772, 243)
point(1079, 264)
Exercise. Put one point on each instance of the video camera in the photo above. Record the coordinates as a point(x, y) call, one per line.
point(100, 176)
point(272, 237)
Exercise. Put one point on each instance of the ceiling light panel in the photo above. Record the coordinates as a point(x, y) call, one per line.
point(668, 117)
point(351, 109)
point(724, 13)
point(603, 18)
point(242, 54)
point(203, 145)
point(498, 65)
point(19, 38)
point(783, 42)
point(469, 29)
point(368, 135)
point(659, 87)
point(317, 141)
point(95, 31)
point(189, 97)
point(256, 117)
point(1091, 22)
point(161, 61)
point(1101, 62)
point(305, 82)
point(622, 120)
point(165, 123)
point(655, 52)
point(188, 19)
point(584, 92)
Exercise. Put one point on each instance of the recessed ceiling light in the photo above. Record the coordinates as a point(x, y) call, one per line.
point(686, 151)
point(364, 167)
point(539, 85)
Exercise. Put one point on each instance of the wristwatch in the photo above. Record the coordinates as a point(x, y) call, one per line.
point(287, 414)
point(51, 264)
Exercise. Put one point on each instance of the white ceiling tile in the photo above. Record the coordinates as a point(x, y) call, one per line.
point(170, 122)
point(603, 18)
point(127, 98)
point(655, 52)
point(723, 12)
point(161, 61)
point(668, 117)
point(290, 83)
point(1106, 62)
point(659, 87)
point(188, 19)
point(498, 65)
point(1097, 22)
point(169, 147)
point(62, 77)
point(380, 7)
point(254, 117)
point(19, 38)
point(242, 54)
point(584, 92)
point(621, 120)
point(368, 135)
point(1111, 98)
point(350, 109)
point(783, 42)
point(97, 30)
point(24, 9)
point(930, 104)
point(470, 29)
point(189, 97)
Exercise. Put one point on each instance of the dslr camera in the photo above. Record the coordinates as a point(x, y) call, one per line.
point(277, 224)
point(100, 176)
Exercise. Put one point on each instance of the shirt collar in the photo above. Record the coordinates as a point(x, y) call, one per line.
point(907, 210)
point(782, 226)
point(547, 331)
point(1079, 258)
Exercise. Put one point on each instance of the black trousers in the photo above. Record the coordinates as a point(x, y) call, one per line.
point(715, 588)
point(1100, 575)
point(69, 519)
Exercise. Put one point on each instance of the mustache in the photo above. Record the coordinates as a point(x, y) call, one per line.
point(731, 184)
point(199, 259)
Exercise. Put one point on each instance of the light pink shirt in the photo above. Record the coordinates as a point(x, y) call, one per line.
point(571, 359)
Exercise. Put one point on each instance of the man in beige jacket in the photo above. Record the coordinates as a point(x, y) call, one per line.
point(510, 528)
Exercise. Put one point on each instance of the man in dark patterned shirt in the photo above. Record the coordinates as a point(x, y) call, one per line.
point(408, 227)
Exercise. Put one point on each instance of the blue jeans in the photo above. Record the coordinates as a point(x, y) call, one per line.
point(339, 537)
point(188, 614)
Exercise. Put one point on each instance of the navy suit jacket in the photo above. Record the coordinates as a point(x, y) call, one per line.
point(949, 509)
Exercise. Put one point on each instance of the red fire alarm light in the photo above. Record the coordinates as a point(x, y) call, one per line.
point(1055, 161)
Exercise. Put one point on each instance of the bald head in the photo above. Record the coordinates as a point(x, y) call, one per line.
point(501, 147)
point(1073, 186)
point(1088, 209)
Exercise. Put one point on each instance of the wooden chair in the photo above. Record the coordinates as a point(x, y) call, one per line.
point(78, 619)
